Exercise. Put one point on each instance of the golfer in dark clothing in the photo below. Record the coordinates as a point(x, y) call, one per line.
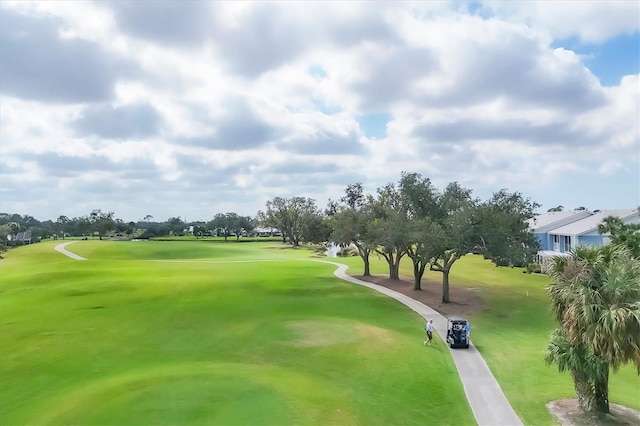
point(429, 332)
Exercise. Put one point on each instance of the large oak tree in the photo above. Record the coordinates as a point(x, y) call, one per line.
point(352, 223)
point(290, 216)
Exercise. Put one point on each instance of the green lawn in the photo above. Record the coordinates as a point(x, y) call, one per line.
point(205, 337)
point(512, 334)
point(188, 333)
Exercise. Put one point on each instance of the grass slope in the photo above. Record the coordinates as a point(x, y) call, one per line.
point(204, 337)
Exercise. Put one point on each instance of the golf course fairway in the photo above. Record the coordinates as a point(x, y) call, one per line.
point(198, 332)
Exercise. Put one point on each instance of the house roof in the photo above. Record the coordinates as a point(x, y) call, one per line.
point(547, 219)
point(590, 224)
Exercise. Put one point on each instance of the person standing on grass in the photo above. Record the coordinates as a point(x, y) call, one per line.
point(468, 329)
point(429, 333)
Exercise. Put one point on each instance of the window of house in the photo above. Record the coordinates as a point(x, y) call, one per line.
point(567, 243)
point(556, 242)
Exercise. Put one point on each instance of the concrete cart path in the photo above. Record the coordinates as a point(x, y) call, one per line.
point(488, 403)
point(61, 248)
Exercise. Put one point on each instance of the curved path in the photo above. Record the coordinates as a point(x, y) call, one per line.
point(487, 401)
point(61, 248)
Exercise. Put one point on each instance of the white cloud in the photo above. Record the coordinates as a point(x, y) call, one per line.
point(592, 21)
point(609, 167)
point(262, 100)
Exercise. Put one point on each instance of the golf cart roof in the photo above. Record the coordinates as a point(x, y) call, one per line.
point(457, 319)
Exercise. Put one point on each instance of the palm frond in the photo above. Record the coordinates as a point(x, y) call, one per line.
point(595, 296)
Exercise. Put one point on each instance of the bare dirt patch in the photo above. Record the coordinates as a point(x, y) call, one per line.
point(325, 333)
point(371, 333)
point(568, 413)
point(320, 333)
point(463, 301)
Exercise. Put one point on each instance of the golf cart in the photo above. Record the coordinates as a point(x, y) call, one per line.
point(457, 333)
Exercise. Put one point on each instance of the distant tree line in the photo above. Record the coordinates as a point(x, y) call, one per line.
point(410, 218)
point(95, 224)
point(99, 224)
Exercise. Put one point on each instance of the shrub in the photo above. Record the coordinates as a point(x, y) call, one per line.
point(534, 268)
point(347, 252)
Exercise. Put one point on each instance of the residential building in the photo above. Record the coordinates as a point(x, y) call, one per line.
point(560, 232)
point(584, 232)
point(545, 222)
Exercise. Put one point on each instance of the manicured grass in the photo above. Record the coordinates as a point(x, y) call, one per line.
point(512, 334)
point(190, 333)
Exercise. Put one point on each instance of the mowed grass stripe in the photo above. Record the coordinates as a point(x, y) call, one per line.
point(270, 391)
point(82, 328)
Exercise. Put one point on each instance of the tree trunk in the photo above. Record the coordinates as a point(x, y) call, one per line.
point(393, 268)
point(367, 269)
point(584, 393)
point(447, 261)
point(396, 266)
point(364, 254)
point(418, 272)
point(601, 394)
point(445, 285)
point(393, 271)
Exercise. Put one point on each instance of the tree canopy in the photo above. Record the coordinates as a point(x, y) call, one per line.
point(227, 224)
point(101, 222)
point(352, 223)
point(434, 228)
point(290, 216)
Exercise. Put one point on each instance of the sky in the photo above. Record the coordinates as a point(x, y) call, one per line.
point(194, 108)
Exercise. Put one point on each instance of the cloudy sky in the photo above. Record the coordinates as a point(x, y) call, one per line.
point(193, 108)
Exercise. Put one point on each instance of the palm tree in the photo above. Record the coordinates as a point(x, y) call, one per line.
point(595, 296)
point(626, 234)
point(579, 361)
